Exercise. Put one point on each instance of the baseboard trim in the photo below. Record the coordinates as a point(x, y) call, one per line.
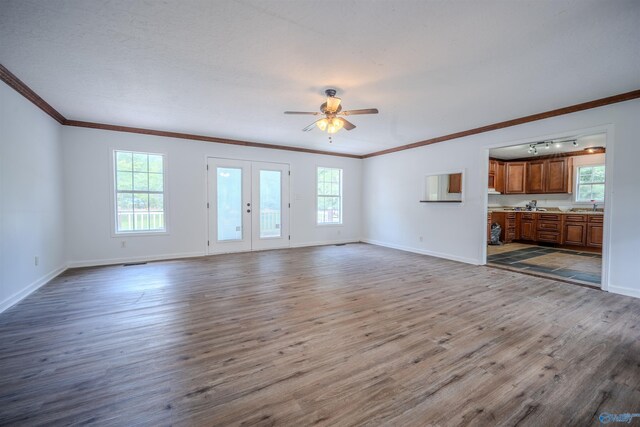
point(115, 261)
point(630, 292)
point(424, 252)
point(20, 295)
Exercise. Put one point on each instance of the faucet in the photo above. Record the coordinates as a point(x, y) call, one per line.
point(595, 207)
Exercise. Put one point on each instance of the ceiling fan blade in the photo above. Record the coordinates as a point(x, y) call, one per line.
point(347, 124)
point(362, 111)
point(303, 112)
point(311, 126)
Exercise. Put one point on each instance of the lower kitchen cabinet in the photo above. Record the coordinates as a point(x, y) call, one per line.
point(594, 231)
point(575, 230)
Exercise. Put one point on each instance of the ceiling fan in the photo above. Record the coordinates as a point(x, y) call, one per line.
point(333, 121)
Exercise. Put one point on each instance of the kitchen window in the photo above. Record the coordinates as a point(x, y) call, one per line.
point(590, 184)
point(139, 192)
point(329, 196)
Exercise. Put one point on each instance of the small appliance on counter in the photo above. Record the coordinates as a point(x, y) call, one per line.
point(532, 205)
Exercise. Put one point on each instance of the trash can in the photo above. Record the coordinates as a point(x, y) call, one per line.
point(495, 234)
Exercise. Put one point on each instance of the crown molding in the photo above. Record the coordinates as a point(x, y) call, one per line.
point(116, 128)
point(515, 122)
point(19, 86)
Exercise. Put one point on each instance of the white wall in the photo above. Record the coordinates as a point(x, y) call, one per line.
point(31, 198)
point(88, 163)
point(393, 186)
point(551, 200)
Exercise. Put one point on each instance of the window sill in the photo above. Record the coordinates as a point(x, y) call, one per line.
point(139, 234)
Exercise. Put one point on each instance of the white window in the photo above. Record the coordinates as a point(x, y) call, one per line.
point(329, 196)
point(590, 184)
point(139, 192)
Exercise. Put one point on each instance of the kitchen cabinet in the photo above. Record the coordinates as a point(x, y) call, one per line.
point(594, 231)
point(507, 221)
point(489, 227)
point(499, 177)
point(527, 226)
point(575, 230)
point(515, 177)
point(455, 183)
point(558, 175)
point(535, 177)
point(549, 228)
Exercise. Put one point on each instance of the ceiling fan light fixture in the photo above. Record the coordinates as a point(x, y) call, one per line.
point(333, 103)
point(322, 124)
point(335, 124)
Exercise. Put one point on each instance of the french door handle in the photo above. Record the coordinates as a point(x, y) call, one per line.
point(248, 210)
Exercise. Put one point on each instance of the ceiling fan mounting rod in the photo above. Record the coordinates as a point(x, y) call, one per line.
point(330, 92)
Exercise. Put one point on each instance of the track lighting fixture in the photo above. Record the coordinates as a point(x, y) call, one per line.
point(533, 147)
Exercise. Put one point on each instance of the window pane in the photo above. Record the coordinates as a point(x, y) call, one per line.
point(124, 161)
point(140, 201)
point(229, 202)
point(141, 220)
point(597, 192)
point(124, 212)
point(155, 181)
point(156, 202)
point(598, 174)
point(584, 192)
point(125, 181)
point(335, 189)
point(140, 162)
point(155, 163)
point(270, 203)
point(586, 175)
point(140, 181)
point(156, 220)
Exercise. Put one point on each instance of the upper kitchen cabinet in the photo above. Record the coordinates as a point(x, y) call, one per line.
point(515, 177)
point(559, 175)
point(537, 176)
point(496, 175)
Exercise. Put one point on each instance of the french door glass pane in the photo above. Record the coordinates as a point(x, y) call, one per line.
point(229, 203)
point(270, 203)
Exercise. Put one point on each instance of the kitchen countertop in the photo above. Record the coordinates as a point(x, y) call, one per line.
point(549, 210)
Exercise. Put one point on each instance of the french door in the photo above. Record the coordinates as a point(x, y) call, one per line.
point(248, 205)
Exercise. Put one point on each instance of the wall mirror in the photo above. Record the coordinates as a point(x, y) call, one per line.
point(443, 188)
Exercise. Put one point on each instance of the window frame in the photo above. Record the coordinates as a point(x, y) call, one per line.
point(341, 198)
point(114, 195)
point(577, 183)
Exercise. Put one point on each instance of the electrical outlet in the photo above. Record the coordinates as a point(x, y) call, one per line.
point(420, 238)
point(36, 260)
point(123, 244)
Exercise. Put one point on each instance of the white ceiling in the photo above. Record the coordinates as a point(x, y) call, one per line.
point(230, 68)
point(557, 146)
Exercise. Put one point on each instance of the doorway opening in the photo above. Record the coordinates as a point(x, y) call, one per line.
point(546, 207)
point(248, 205)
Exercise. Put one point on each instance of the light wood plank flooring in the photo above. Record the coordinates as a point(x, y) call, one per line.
point(334, 335)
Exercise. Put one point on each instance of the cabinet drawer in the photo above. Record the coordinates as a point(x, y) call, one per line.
point(511, 215)
point(527, 215)
point(548, 236)
point(575, 218)
point(549, 226)
point(597, 219)
point(549, 217)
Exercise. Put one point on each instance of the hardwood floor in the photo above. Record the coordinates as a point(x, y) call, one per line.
point(334, 335)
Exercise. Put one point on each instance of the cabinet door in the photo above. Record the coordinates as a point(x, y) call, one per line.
point(557, 176)
point(499, 178)
point(515, 173)
point(575, 233)
point(535, 177)
point(527, 229)
point(594, 235)
point(455, 183)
